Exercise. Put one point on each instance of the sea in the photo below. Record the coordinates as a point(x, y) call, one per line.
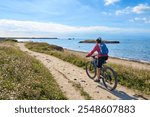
point(131, 49)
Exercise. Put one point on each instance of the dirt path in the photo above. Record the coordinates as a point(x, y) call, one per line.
point(67, 74)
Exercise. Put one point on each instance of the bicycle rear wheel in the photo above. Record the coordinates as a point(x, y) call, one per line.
point(109, 78)
point(90, 70)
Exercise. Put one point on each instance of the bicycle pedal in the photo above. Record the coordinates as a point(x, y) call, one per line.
point(97, 80)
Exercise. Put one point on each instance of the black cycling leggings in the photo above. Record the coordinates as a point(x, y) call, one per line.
point(101, 60)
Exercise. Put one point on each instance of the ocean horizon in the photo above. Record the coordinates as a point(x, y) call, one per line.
point(129, 49)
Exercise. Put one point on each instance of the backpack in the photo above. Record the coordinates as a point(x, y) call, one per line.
point(103, 48)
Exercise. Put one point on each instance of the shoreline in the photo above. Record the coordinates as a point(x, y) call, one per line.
point(115, 60)
point(125, 59)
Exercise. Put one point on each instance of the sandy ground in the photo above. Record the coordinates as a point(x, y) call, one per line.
point(67, 74)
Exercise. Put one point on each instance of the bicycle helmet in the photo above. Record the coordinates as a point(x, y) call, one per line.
point(99, 39)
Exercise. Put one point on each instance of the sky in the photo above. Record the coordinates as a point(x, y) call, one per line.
point(75, 18)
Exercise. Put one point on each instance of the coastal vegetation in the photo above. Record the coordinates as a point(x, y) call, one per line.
point(23, 77)
point(53, 50)
point(43, 47)
point(7, 40)
point(130, 77)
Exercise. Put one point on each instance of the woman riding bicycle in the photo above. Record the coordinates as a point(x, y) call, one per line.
point(102, 56)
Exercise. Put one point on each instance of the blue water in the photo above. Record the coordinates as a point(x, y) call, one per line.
point(133, 49)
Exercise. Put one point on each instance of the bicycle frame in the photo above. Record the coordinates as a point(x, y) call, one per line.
point(107, 73)
point(94, 61)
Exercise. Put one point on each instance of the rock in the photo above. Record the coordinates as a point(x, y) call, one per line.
point(83, 81)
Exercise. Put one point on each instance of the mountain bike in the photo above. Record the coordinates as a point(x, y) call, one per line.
point(108, 75)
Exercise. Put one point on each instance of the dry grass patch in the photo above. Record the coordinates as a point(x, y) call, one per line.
point(23, 77)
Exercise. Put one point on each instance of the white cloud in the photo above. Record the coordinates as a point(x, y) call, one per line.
point(110, 2)
point(141, 19)
point(31, 28)
point(141, 8)
point(127, 10)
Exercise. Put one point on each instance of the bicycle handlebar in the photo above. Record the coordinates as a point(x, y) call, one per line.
point(94, 56)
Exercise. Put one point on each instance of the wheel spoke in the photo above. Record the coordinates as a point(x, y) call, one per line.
point(110, 79)
point(90, 70)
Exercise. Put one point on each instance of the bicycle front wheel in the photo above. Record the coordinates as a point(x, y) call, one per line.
point(109, 78)
point(90, 70)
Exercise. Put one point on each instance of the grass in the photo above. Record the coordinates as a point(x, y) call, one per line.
point(44, 47)
point(82, 92)
point(129, 77)
point(11, 40)
point(25, 78)
point(133, 78)
point(51, 50)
